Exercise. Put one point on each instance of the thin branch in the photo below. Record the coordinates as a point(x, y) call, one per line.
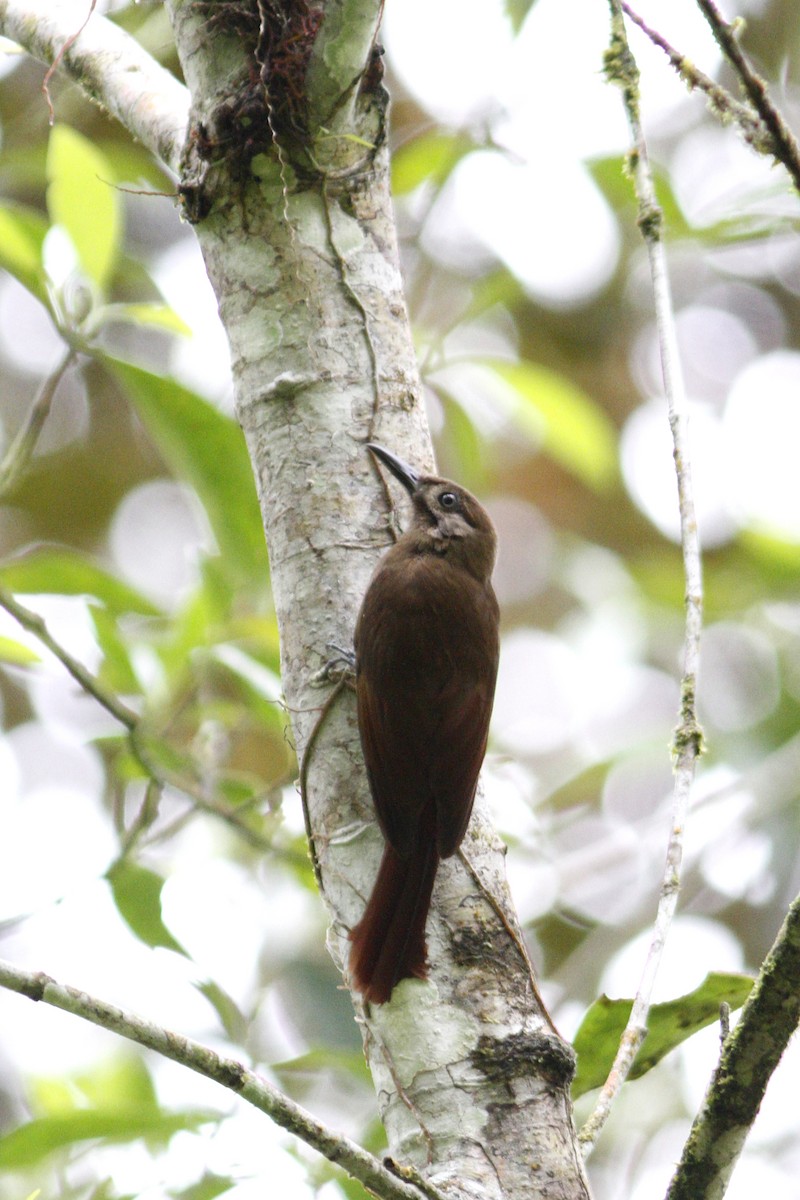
point(621, 68)
point(110, 66)
point(56, 63)
point(786, 149)
point(749, 1056)
point(137, 736)
point(89, 683)
point(145, 817)
point(514, 934)
point(721, 102)
point(226, 1071)
point(324, 676)
point(20, 452)
point(194, 789)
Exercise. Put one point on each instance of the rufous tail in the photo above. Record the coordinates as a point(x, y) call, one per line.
point(389, 940)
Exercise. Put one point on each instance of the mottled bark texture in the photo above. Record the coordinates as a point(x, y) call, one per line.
point(750, 1054)
point(290, 197)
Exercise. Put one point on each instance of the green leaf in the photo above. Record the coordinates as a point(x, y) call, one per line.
point(17, 655)
point(207, 1188)
point(464, 443)
point(56, 572)
point(121, 1082)
point(777, 557)
point(226, 1008)
point(258, 686)
point(114, 1097)
point(130, 163)
point(497, 288)
point(23, 166)
point(199, 620)
point(105, 1190)
point(351, 1188)
point(116, 670)
point(570, 426)
point(517, 11)
point(612, 176)
point(324, 1058)
point(156, 316)
point(669, 1024)
point(429, 157)
point(22, 232)
point(137, 895)
point(204, 447)
point(83, 202)
point(32, 1143)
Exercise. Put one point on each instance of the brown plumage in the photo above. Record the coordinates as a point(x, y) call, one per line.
point(426, 646)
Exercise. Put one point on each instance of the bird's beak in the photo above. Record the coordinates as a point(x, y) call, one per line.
point(401, 470)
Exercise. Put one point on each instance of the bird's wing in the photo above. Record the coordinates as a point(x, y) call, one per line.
point(461, 740)
point(397, 760)
point(408, 770)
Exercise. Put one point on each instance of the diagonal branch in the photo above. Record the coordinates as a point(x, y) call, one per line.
point(621, 68)
point(18, 455)
point(226, 1071)
point(159, 773)
point(785, 147)
point(720, 101)
point(36, 625)
point(110, 66)
point(749, 1056)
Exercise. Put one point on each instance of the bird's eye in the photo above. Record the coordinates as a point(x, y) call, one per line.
point(448, 500)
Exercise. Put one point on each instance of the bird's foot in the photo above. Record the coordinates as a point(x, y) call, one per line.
point(339, 668)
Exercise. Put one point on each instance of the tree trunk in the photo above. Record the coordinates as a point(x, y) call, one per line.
point(472, 1080)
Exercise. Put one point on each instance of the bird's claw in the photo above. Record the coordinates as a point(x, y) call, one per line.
point(341, 666)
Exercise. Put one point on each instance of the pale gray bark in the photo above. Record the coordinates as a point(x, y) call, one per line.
point(472, 1082)
point(750, 1054)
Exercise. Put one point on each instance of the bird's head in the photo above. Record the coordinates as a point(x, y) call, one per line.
point(448, 520)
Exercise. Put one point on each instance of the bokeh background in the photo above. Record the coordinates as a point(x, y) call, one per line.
point(530, 298)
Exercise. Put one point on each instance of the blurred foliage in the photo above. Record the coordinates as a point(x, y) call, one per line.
point(115, 1103)
point(597, 1040)
point(137, 895)
point(530, 403)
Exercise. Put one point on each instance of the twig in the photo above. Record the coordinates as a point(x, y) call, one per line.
point(785, 147)
point(514, 935)
point(749, 1056)
point(343, 682)
point(358, 304)
point(621, 68)
point(726, 106)
point(137, 738)
point(402, 1094)
point(145, 817)
point(88, 682)
point(111, 67)
point(192, 788)
point(18, 455)
point(226, 1071)
point(56, 63)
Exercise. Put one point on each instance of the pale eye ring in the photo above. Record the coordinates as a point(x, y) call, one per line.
point(448, 500)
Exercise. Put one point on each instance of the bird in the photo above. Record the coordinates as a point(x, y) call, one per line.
point(426, 655)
